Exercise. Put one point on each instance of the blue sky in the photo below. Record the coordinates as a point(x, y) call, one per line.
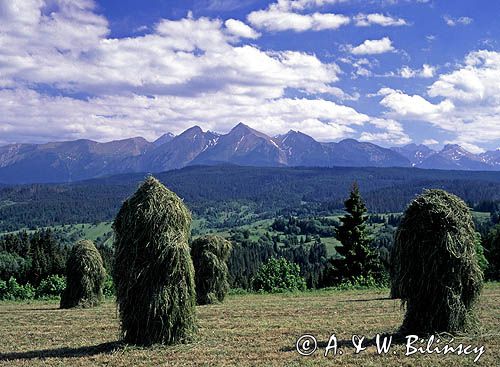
point(390, 72)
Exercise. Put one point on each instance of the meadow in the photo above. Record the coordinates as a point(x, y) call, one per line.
point(246, 330)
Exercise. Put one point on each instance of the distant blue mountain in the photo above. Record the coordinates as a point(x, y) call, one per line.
point(83, 159)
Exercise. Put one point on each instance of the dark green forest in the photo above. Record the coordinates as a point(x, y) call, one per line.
point(293, 213)
point(266, 192)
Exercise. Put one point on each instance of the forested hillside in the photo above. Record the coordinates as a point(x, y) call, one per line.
point(242, 191)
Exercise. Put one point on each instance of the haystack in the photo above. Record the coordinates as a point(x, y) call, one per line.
point(434, 266)
point(85, 275)
point(210, 254)
point(153, 272)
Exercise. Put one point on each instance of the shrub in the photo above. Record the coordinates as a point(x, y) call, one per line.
point(153, 271)
point(210, 254)
point(278, 275)
point(360, 282)
point(434, 264)
point(109, 287)
point(12, 290)
point(52, 286)
point(85, 276)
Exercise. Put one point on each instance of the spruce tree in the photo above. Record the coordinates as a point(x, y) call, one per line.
point(358, 258)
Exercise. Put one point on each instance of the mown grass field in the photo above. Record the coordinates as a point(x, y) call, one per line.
point(247, 330)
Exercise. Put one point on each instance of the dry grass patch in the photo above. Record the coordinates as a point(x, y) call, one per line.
point(246, 330)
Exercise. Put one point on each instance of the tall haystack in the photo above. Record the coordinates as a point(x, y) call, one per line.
point(85, 275)
point(210, 254)
point(434, 265)
point(153, 272)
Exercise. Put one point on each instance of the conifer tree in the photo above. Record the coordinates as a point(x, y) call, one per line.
point(358, 258)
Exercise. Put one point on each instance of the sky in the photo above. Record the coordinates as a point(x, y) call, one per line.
point(391, 72)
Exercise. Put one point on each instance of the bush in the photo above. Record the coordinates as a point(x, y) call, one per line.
point(278, 275)
point(51, 287)
point(109, 287)
point(12, 290)
point(361, 282)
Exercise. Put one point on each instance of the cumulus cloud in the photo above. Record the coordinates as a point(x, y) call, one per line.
point(373, 47)
point(303, 4)
point(413, 106)
point(389, 132)
point(427, 71)
point(289, 15)
point(275, 19)
point(239, 29)
point(457, 21)
point(477, 80)
point(31, 114)
point(365, 20)
point(178, 57)
point(179, 73)
point(469, 107)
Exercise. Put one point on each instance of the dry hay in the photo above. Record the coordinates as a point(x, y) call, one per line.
point(210, 254)
point(434, 265)
point(85, 275)
point(153, 273)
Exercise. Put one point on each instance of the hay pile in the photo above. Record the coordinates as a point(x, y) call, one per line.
point(210, 254)
point(85, 275)
point(434, 266)
point(153, 272)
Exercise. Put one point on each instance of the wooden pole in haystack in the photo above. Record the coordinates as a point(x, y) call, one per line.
point(210, 254)
point(153, 272)
point(434, 265)
point(85, 275)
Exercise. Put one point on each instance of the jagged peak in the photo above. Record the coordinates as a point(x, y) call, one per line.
point(241, 127)
point(193, 129)
point(452, 146)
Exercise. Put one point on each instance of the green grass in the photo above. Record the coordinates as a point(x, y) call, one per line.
point(246, 330)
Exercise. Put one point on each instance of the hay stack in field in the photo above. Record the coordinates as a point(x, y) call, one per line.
point(85, 275)
point(210, 254)
point(153, 272)
point(434, 266)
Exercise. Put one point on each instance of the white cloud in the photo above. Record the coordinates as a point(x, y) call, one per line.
point(239, 29)
point(390, 132)
point(35, 116)
point(427, 71)
point(303, 4)
point(284, 15)
point(457, 21)
point(430, 142)
point(469, 108)
point(412, 106)
point(180, 73)
point(179, 57)
point(365, 20)
point(407, 72)
point(362, 66)
point(477, 80)
point(372, 47)
point(278, 20)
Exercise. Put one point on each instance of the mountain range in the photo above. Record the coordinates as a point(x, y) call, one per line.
point(83, 159)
